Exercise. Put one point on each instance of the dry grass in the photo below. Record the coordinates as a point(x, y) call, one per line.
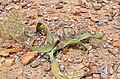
point(12, 27)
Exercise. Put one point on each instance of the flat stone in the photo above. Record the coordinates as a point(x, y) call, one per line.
point(9, 62)
point(83, 10)
point(97, 6)
point(28, 57)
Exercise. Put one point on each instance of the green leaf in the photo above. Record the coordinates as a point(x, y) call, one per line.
point(46, 29)
point(55, 67)
point(72, 42)
point(97, 36)
point(49, 38)
point(83, 36)
point(40, 27)
point(45, 48)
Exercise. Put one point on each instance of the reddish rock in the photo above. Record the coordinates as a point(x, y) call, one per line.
point(93, 19)
point(83, 10)
point(116, 43)
point(3, 53)
point(46, 66)
point(9, 62)
point(28, 57)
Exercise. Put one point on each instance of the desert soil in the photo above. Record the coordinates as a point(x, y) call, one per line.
point(77, 17)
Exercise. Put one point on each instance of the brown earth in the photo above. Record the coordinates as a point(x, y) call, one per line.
point(77, 17)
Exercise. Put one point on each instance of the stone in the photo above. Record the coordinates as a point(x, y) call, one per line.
point(83, 10)
point(28, 57)
point(3, 53)
point(62, 67)
point(9, 62)
point(116, 43)
point(46, 66)
point(97, 6)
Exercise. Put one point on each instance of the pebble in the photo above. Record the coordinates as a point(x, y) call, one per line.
point(116, 43)
point(97, 6)
point(117, 27)
point(59, 6)
point(99, 23)
point(36, 62)
point(3, 53)
point(93, 19)
point(46, 66)
point(62, 68)
point(105, 45)
point(83, 10)
point(9, 62)
point(55, 18)
point(28, 57)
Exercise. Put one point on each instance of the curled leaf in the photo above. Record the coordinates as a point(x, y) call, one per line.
point(43, 27)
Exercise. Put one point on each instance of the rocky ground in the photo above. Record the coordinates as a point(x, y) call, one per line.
point(66, 19)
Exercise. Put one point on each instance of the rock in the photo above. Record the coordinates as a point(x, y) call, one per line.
point(97, 6)
point(83, 10)
point(28, 57)
point(22, 77)
point(55, 18)
point(46, 66)
point(117, 27)
point(59, 6)
point(62, 68)
point(93, 29)
point(115, 7)
point(76, 13)
point(82, 2)
point(9, 62)
point(3, 53)
point(36, 62)
point(97, 76)
point(116, 43)
point(93, 19)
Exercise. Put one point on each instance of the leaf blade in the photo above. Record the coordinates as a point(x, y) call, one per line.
point(45, 48)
